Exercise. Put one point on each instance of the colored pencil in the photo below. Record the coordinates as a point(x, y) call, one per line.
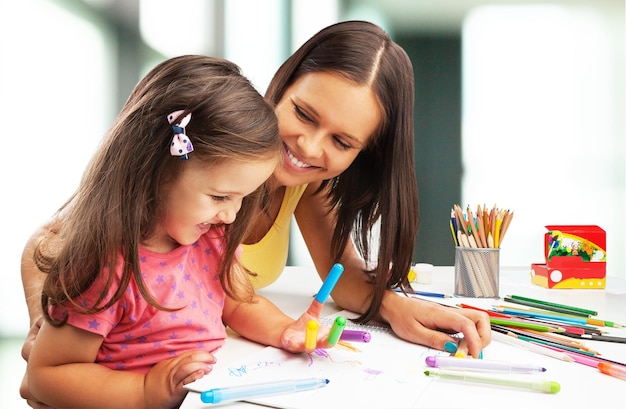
point(525, 324)
point(552, 304)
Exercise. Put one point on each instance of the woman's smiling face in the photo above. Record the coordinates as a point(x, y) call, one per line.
point(325, 121)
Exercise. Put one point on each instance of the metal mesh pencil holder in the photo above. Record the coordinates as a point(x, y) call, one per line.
point(476, 272)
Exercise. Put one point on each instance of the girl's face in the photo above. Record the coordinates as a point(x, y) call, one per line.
point(204, 196)
point(324, 121)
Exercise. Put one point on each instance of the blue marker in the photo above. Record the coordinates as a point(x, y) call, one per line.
point(218, 395)
point(329, 283)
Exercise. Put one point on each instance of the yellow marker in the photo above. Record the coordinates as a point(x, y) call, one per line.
point(310, 339)
point(411, 275)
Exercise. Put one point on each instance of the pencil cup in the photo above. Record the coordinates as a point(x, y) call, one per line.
point(476, 272)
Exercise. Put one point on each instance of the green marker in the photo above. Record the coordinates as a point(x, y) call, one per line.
point(336, 330)
point(534, 384)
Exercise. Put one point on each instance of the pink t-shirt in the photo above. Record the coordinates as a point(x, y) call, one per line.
point(138, 335)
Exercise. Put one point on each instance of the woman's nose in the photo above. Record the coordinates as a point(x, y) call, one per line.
point(311, 144)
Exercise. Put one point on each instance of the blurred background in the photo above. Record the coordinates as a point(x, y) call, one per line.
point(519, 104)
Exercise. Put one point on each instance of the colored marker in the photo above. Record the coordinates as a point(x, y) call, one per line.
point(355, 336)
point(328, 285)
point(217, 395)
point(618, 371)
point(533, 384)
point(310, 338)
point(447, 362)
point(336, 330)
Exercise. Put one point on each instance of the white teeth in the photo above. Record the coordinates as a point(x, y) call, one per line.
point(295, 160)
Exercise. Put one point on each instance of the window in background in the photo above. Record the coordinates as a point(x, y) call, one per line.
point(543, 131)
point(254, 33)
point(191, 32)
point(56, 95)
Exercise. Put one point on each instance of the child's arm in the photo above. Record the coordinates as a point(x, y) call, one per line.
point(62, 373)
point(263, 322)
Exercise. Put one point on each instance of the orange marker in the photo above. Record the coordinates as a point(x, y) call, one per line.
point(616, 370)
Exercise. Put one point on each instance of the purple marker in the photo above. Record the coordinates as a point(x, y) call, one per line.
point(355, 336)
point(469, 364)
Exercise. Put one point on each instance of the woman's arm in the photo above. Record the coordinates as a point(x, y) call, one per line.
point(414, 320)
point(62, 373)
point(32, 278)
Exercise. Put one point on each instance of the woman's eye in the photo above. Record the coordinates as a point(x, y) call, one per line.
point(220, 198)
point(301, 114)
point(342, 145)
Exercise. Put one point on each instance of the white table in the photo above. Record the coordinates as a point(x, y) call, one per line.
point(581, 385)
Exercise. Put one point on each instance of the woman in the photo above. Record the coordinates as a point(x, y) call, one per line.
point(344, 102)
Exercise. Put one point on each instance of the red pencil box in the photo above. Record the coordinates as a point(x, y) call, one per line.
point(575, 258)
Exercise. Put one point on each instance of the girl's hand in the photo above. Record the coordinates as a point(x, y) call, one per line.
point(294, 336)
point(163, 387)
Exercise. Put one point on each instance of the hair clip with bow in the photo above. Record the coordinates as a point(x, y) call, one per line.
point(181, 144)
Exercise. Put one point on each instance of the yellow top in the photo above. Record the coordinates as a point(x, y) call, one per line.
point(268, 257)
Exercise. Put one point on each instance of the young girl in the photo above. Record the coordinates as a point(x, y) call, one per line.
point(145, 267)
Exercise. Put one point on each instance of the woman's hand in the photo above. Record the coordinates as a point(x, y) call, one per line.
point(430, 324)
point(163, 387)
point(26, 348)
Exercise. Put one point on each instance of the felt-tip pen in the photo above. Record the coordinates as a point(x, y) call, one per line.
point(539, 385)
point(336, 330)
point(355, 336)
point(616, 370)
point(448, 362)
point(328, 285)
point(217, 395)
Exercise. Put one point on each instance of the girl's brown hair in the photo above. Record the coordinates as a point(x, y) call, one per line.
point(117, 202)
point(381, 182)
